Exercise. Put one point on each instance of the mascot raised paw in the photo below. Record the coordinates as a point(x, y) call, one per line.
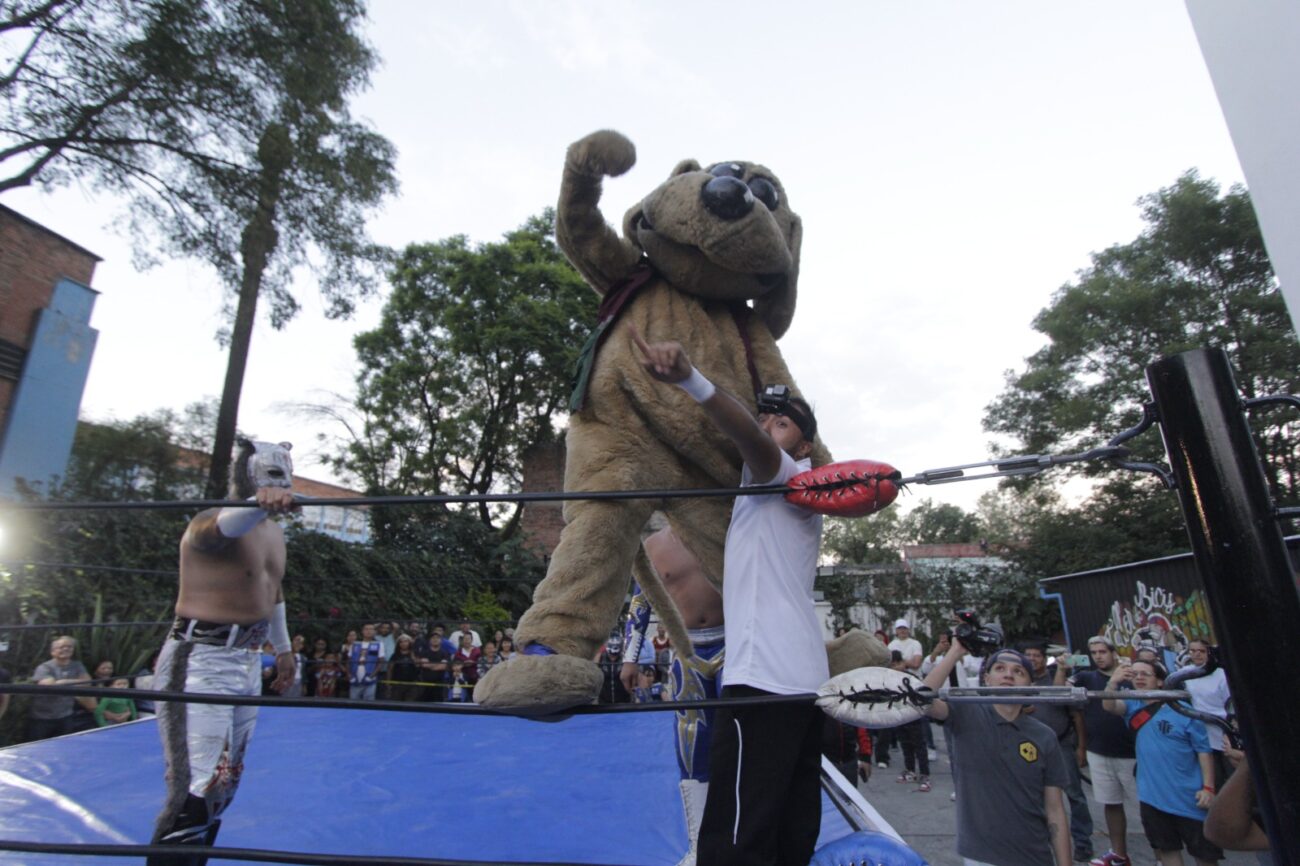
point(710, 258)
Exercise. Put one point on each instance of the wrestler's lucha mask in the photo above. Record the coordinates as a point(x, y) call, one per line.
point(261, 464)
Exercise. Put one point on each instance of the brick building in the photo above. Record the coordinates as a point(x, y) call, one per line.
point(542, 521)
point(46, 345)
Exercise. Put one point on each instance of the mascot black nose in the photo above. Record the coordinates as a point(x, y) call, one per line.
point(728, 197)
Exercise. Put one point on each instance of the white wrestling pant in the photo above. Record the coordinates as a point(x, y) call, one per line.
point(204, 744)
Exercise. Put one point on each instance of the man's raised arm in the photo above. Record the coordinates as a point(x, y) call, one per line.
point(938, 677)
point(668, 362)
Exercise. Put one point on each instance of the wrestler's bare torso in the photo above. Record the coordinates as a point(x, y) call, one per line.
point(230, 580)
point(698, 601)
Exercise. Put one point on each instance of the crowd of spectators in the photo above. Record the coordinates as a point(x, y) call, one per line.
point(392, 661)
point(1171, 771)
point(381, 660)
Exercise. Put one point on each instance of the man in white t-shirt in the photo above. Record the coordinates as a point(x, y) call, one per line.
point(465, 629)
point(771, 812)
point(908, 647)
point(1209, 695)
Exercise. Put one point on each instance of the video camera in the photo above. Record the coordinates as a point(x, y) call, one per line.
point(979, 640)
point(773, 400)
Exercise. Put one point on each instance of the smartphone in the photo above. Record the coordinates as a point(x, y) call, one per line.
point(1079, 660)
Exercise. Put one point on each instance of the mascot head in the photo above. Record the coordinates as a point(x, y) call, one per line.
point(726, 233)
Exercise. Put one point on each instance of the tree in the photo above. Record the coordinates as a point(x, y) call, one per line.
point(470, 365)
point(864, 540)
point(116, 93)
point(225, 125)
point(317, 172)
point(938, 523)
point(1197, 275)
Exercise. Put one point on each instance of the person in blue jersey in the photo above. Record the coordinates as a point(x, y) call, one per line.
point(1175, 769)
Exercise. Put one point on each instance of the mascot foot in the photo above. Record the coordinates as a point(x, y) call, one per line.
point(855, 649)
point(539, 685)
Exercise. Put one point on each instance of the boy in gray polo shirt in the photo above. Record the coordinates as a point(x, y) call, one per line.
point(1010, 771)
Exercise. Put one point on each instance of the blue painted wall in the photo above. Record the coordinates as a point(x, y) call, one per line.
point(43, 415)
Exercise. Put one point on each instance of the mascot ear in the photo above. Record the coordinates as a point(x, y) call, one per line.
point(777, 308)
point(685, 166)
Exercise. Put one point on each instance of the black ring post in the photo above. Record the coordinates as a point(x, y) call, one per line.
point(1242, 557)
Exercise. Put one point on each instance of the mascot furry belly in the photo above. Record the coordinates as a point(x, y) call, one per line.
point(710, 259)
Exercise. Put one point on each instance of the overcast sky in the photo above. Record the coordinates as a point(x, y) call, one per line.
point(953, 163)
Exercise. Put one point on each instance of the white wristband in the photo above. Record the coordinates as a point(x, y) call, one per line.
point(697, 386)
point(234, 522)
point(279, 635)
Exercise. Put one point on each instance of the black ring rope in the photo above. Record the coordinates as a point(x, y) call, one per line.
point(1031, 464)
point(158, 696)
point(1005, 466)
point(261, 855)
point(346, 621)
point(440, 499)
point(160, 572)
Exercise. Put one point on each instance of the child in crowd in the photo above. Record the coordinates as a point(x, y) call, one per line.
point(328, 676)
point(113, 711)
point(646, 688)
point(460, 691)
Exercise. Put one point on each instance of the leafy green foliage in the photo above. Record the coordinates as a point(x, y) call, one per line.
point(938, 523)
point(863, 541)
point(1198, 275)
point(225, 124)
point(103, 568)
point(470, 365)
point(169, 103)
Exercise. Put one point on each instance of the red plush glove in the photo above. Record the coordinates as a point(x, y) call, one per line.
point(851, 488)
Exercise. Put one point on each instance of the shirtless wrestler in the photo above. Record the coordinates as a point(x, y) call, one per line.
point(696, 679)
point(230, 602)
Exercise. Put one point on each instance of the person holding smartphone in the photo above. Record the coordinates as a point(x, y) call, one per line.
point(1107, 744)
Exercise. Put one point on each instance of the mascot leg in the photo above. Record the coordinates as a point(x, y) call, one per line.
point(855, 649)
point(573, 610)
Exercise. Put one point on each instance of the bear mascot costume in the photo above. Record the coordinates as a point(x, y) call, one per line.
point(710, 258)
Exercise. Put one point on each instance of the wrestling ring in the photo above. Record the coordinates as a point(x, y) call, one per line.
point(388, 783)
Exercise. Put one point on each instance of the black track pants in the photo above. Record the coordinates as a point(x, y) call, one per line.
point(764, 804)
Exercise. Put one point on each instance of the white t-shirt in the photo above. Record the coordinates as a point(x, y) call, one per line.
point(773, 637)
point(455, 637)
point(908, 648)
point(1210, 695)
point(968, 670)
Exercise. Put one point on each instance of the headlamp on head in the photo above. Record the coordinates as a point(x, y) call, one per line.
point(775, 400)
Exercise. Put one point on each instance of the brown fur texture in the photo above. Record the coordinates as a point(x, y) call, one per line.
point(856, 649)
point(635, 433)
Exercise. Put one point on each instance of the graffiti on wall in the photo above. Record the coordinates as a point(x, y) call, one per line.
point(1159, 619)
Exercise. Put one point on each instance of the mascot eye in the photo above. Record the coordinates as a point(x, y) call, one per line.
point(727, 169)
point(765, 191)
